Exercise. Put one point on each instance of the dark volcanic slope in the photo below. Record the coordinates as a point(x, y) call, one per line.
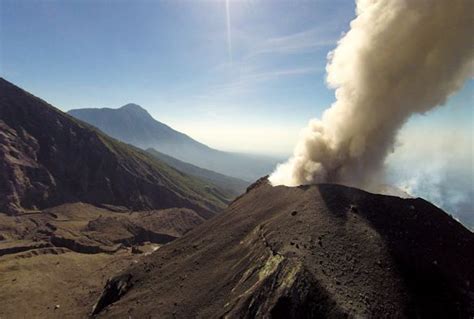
point(323, 251)
point(133, 124)
point(48, 158)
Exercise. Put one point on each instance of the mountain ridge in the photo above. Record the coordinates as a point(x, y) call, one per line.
point(231, 185)
point(73, 161)
point(132, 124)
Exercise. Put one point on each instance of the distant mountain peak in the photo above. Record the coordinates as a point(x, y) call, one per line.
point(133, 107)
point(132, 124)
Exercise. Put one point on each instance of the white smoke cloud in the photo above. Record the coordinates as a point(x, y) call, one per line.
point(399, 58)
point(437, 165)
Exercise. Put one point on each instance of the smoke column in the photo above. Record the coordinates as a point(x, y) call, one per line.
point(400, 57)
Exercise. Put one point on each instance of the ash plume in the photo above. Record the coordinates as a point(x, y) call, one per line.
point(399, 58)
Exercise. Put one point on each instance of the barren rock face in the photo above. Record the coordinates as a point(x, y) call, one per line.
point(23, 181)
point(322, 251)
point(115, 289)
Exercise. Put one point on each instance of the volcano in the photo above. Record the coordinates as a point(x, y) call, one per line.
point(319, 251)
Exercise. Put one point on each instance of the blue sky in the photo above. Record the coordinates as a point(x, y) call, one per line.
point(248, 83)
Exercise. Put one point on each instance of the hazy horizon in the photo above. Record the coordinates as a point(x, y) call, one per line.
point(247, 86)
point(240, 76)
